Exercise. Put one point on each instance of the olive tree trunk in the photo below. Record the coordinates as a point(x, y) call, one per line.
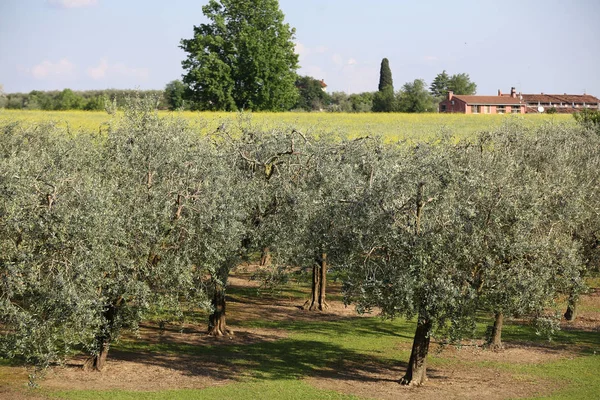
point(571, 312)
point(103, 339)
point(495, 339)
point(416, 373)
point(265, 257)
point(216, 321)
point(319, 285)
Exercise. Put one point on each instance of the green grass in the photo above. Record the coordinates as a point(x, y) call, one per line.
point(347, 347)
point(267, 390)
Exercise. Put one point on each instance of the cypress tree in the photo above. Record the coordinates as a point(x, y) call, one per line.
point(385, 76)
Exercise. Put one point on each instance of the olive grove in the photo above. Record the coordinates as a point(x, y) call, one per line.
point(100, 231)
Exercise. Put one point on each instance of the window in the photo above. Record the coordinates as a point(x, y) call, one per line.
point(501, 109)
point(475, 109)
point(516, 109)
point(443, 108)
point(487, 109)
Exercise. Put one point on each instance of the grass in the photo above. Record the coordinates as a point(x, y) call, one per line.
point(349, 345)
point(267, 390)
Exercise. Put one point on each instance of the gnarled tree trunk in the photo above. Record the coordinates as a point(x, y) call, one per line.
point(571, 312)
point(216, 321)
point(416, 374)
point(319, 285)
point(265, 257)
point(495, 340)
point(104, 338)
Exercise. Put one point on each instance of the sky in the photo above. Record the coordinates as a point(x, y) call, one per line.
point(547, 46)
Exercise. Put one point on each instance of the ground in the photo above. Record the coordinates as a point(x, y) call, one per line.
point(321, 354)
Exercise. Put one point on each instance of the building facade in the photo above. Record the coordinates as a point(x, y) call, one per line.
point(501, 104)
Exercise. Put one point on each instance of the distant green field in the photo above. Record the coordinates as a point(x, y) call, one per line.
point(392, 126)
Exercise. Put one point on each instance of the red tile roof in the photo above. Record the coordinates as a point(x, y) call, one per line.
point(485, 100)
point(560, 98)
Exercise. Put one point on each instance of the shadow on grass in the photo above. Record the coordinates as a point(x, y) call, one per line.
point(267, 360)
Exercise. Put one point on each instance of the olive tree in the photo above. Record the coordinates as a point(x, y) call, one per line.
point(48, 213)
point(525, 255)
point(406, 246)
point(93, 229)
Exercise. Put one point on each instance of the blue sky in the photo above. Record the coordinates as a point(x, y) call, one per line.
point(545, 46)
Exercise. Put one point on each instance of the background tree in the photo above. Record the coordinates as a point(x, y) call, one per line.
point(174, 94)
point(457, 83)
point(439, 86)
point(414, 98)
point(243, 59)
point(69, 100)
point(311, 97)
point(461, 84)
point(385, 76)
point(383, 100)
point(3, 99)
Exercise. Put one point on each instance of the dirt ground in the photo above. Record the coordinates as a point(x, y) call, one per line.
point(465, 379)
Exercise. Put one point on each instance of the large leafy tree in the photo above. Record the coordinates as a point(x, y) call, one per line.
point(414, 98)
point(457, 83)
point(242, 59)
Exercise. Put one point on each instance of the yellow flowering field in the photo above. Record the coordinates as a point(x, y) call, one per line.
point(392, 126)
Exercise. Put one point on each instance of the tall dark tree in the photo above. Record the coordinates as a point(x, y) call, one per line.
point(385, 76)
point(242, 59)
point(383, 100)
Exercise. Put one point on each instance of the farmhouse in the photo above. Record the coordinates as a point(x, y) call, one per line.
point(323, 85)
point(559, 103)
point(518, 103)
point(500, 104)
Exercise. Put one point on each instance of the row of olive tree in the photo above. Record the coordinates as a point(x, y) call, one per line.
point(98, 231)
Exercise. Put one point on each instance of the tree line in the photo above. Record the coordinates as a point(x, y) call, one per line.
point(243, 58)
point(100, 231)
point(67, 99)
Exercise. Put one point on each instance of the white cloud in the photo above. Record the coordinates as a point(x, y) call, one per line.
point(430, 58)
point(105, 69)
point(72, 3)
point(301, 50)
point(351, 61)
point(48, 69)
point(98, 72)
point(337, 59)
point(321, 49)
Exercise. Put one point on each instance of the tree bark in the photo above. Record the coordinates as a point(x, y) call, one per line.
point(495, 340)
point(571, 312)
point(265, 257)
point(216, 321)
point(103, 340)
point(416, 373)
point(319, 285)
